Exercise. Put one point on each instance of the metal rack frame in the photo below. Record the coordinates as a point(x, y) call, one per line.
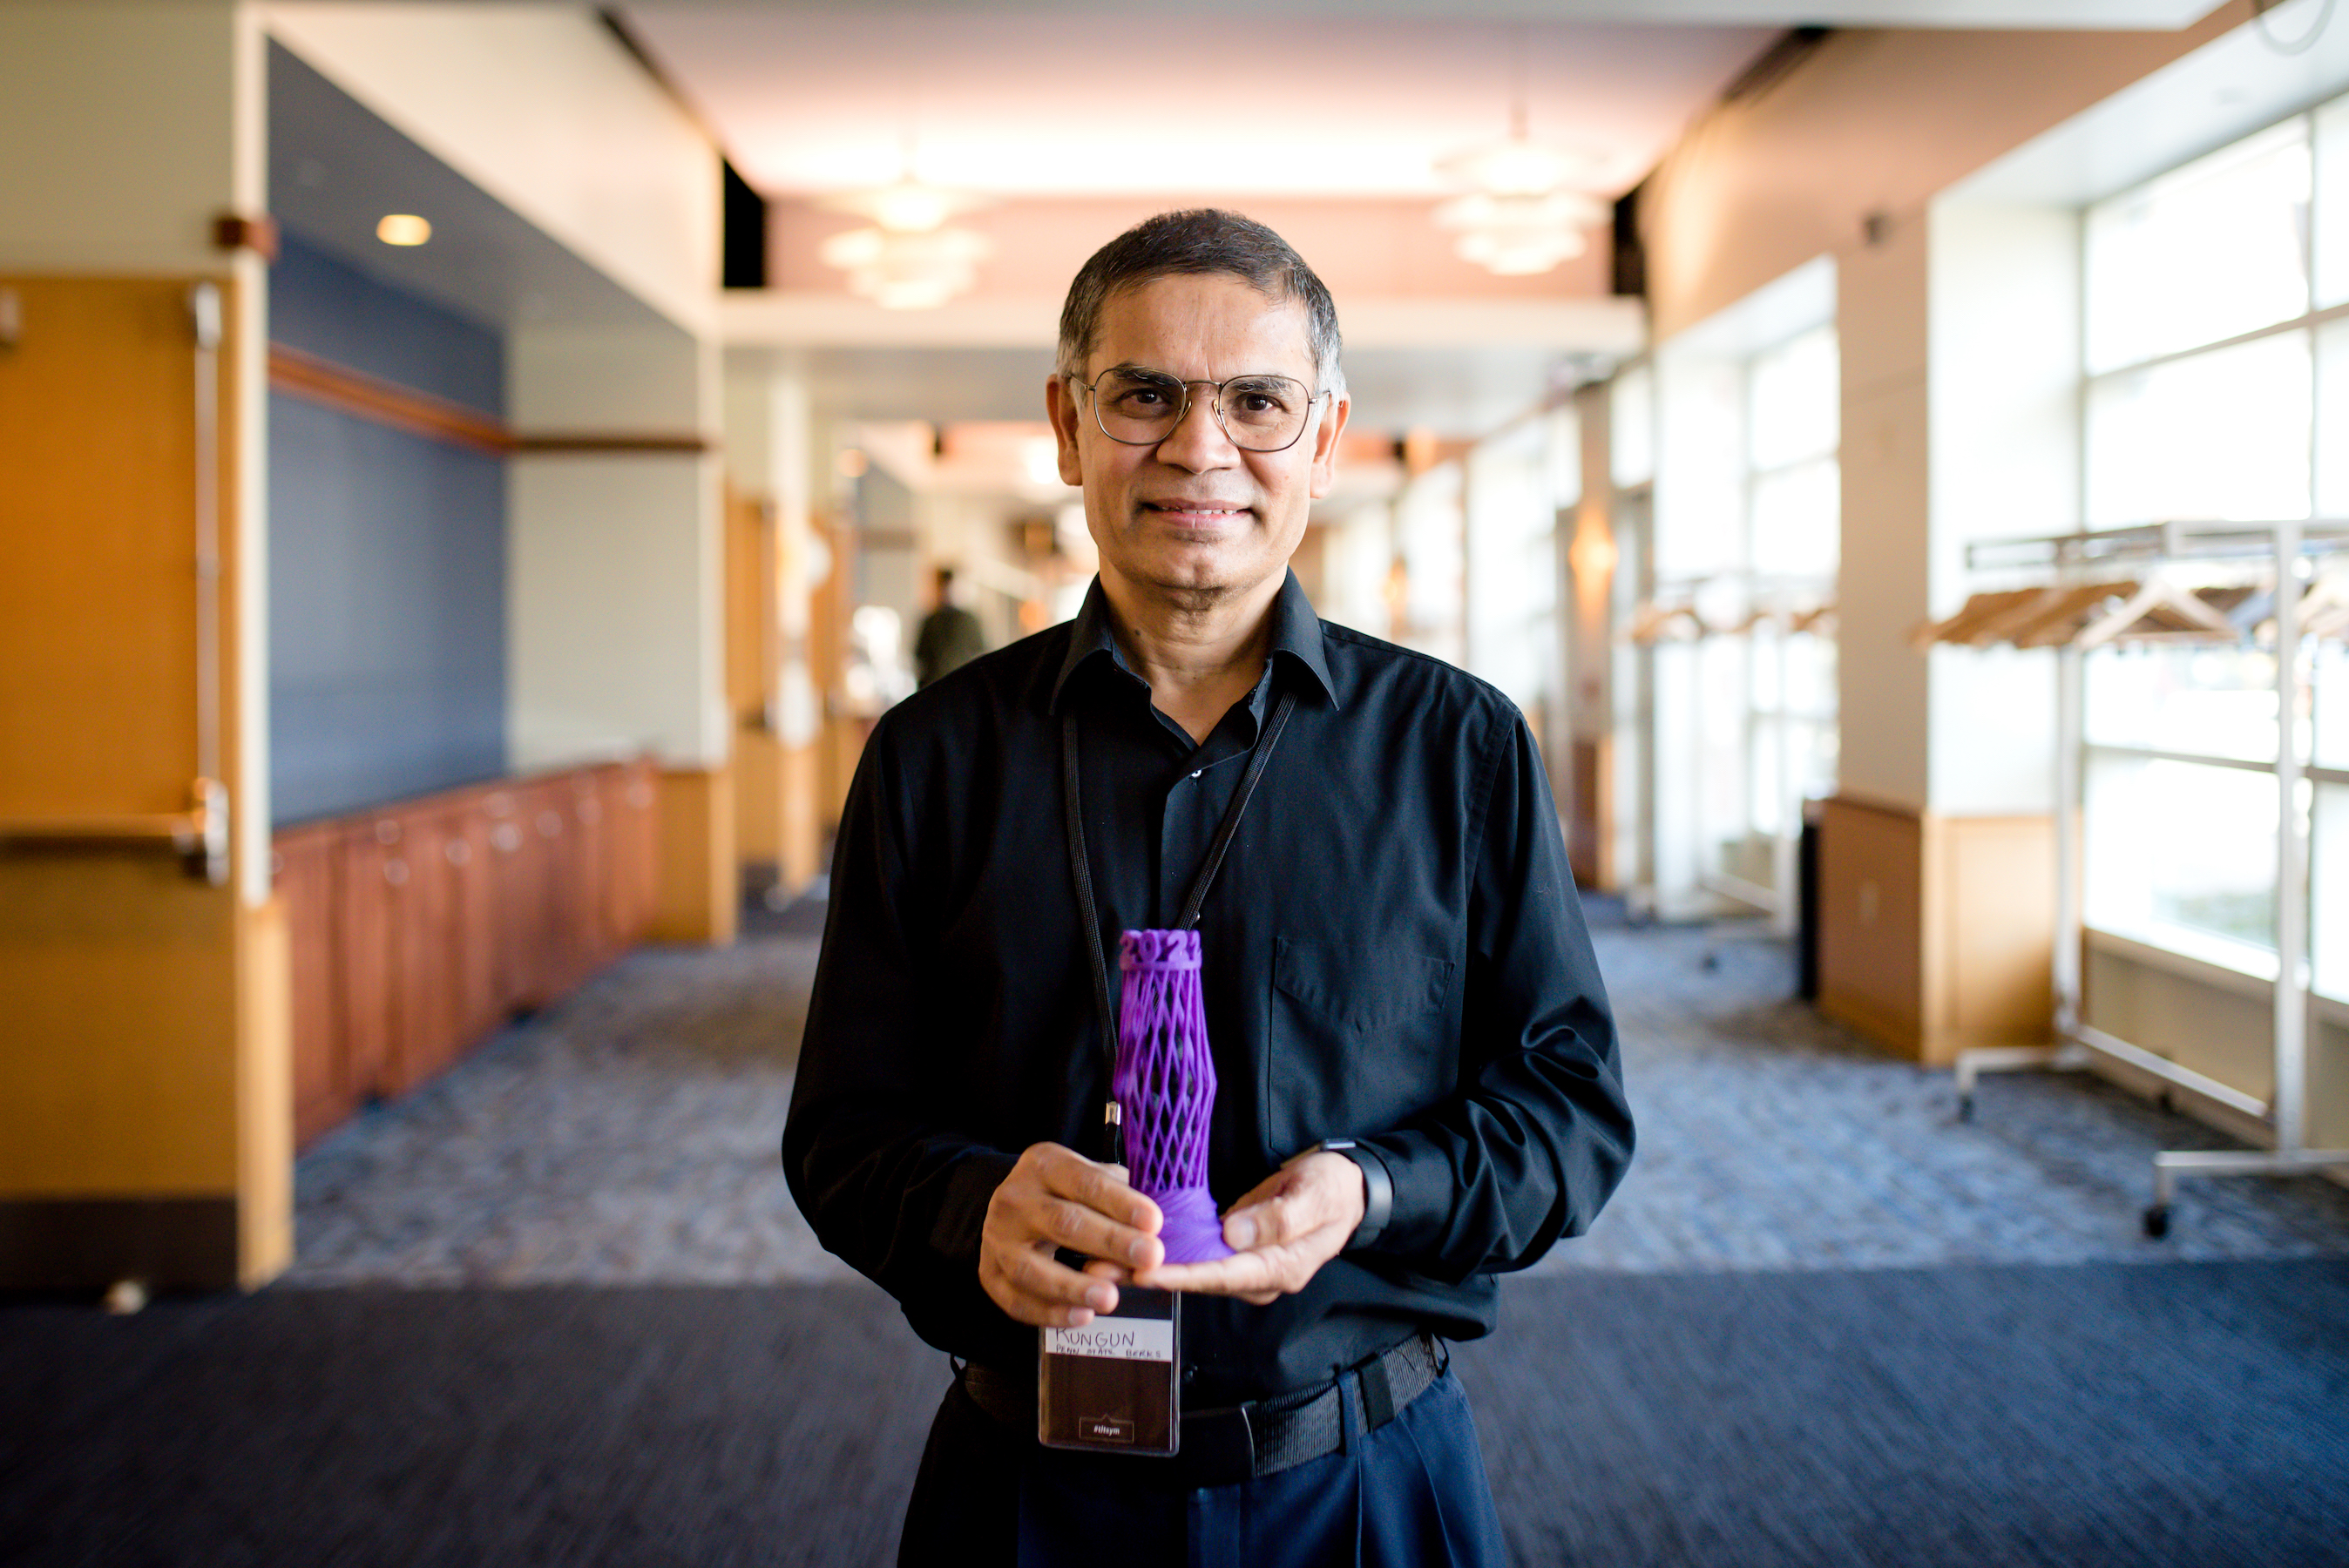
point(2287, 545)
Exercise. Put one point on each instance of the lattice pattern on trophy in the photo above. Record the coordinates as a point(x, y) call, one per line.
point(1164, 1083)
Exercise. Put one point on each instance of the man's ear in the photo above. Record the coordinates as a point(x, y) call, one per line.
point(1325, 447)
point(1060, 407)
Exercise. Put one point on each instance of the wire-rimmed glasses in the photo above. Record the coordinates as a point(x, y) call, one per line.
point(1139, 407)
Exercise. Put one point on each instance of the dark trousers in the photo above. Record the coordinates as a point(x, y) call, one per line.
point(1412, 1492)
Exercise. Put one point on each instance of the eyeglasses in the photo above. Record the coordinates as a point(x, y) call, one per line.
point(1142, 407)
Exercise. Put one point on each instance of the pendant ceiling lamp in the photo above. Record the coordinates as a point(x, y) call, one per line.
point(909, 259)
point(1522, 214)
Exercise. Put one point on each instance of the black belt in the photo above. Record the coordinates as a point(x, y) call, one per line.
point(1236, 1442)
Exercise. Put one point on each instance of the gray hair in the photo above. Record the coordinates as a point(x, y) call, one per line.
point(1200, 240)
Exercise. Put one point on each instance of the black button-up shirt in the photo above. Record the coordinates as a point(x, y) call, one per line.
point(1393, 952)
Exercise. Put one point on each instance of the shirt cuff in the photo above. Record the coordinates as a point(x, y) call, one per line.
point(1421, 1186)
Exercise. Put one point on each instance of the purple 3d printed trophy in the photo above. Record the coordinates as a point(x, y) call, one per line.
point(1166, 1086)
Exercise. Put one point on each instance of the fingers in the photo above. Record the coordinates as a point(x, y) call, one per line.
point(1299, 1199)
point(1055, 1198)
point(1252, 1276)
point(1280, 1233)
point(1031, 1287)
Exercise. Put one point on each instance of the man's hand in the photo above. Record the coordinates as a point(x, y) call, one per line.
point(1057, 1198)
point(1296, 1220)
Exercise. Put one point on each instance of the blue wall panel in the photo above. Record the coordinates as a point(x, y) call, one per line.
point(323, 305)
point(388, 561)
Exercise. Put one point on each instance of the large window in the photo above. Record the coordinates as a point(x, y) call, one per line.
point(2217, 352)
point(1748, 535)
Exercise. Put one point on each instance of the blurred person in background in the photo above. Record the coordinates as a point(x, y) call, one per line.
point(950, 635)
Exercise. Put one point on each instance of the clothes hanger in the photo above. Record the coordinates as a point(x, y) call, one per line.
point(2160, 608)
point(2058, 618)
point(1978, 609)
point(1820, 620)
point(1654, 623)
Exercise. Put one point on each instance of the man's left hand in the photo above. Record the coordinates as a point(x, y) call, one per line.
point(1296, 1220)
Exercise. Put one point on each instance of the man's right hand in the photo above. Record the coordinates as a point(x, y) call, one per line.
point(1057, 1198)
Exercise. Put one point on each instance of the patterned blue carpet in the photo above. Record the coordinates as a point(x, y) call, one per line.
point(628, 1136)
point(1823, 1324)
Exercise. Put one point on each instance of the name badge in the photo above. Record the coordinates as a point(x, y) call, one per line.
point(1113, 1385)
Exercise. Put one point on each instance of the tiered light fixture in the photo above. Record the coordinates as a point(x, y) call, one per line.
point(909, 259)
point(1520, 215)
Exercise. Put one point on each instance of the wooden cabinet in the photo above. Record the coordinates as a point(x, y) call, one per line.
point(631, 795)
point(367, 864)
point(420, 927)
point(475, 1004)
point(303, 867)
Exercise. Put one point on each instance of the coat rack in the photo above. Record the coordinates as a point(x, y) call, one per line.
point(2092, 604)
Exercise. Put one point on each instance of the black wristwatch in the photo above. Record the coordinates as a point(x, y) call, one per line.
point(1378, 1188)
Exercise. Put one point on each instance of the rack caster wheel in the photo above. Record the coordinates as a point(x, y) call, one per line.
point(2156, 1220)
point(1965, 1108)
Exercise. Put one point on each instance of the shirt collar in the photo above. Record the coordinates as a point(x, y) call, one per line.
point(1296, 632)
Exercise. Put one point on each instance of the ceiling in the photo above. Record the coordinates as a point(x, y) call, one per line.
point(1041, 106)
point(1321, 97)
point(336, 167)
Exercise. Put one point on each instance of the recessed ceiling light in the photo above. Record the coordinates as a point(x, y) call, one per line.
point(403, 228)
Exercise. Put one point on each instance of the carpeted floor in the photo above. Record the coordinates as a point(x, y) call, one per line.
point(557, 1308)
point(629, 1136)
point(2170, 1416)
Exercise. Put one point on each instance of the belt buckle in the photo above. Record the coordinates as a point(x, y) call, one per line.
point(1218, 1447)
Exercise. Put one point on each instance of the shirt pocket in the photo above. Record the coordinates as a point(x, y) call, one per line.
point(1361, 1039)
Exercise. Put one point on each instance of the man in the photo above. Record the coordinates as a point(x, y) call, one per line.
point(1392, 954)
point(950, 635)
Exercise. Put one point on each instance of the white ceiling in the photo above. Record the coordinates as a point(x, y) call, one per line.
point(2047, 13)
point(1329, 98)
point(1023, 106)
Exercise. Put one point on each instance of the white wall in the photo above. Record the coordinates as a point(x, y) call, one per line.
point(132, 127)
point(540, 106)
point(1882, 689)
point(615, 629)
point(2004, 395)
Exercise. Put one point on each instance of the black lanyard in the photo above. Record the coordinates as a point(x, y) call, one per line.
point(1080, 868)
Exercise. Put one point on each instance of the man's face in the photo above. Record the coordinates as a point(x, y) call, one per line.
point(1195, 514)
